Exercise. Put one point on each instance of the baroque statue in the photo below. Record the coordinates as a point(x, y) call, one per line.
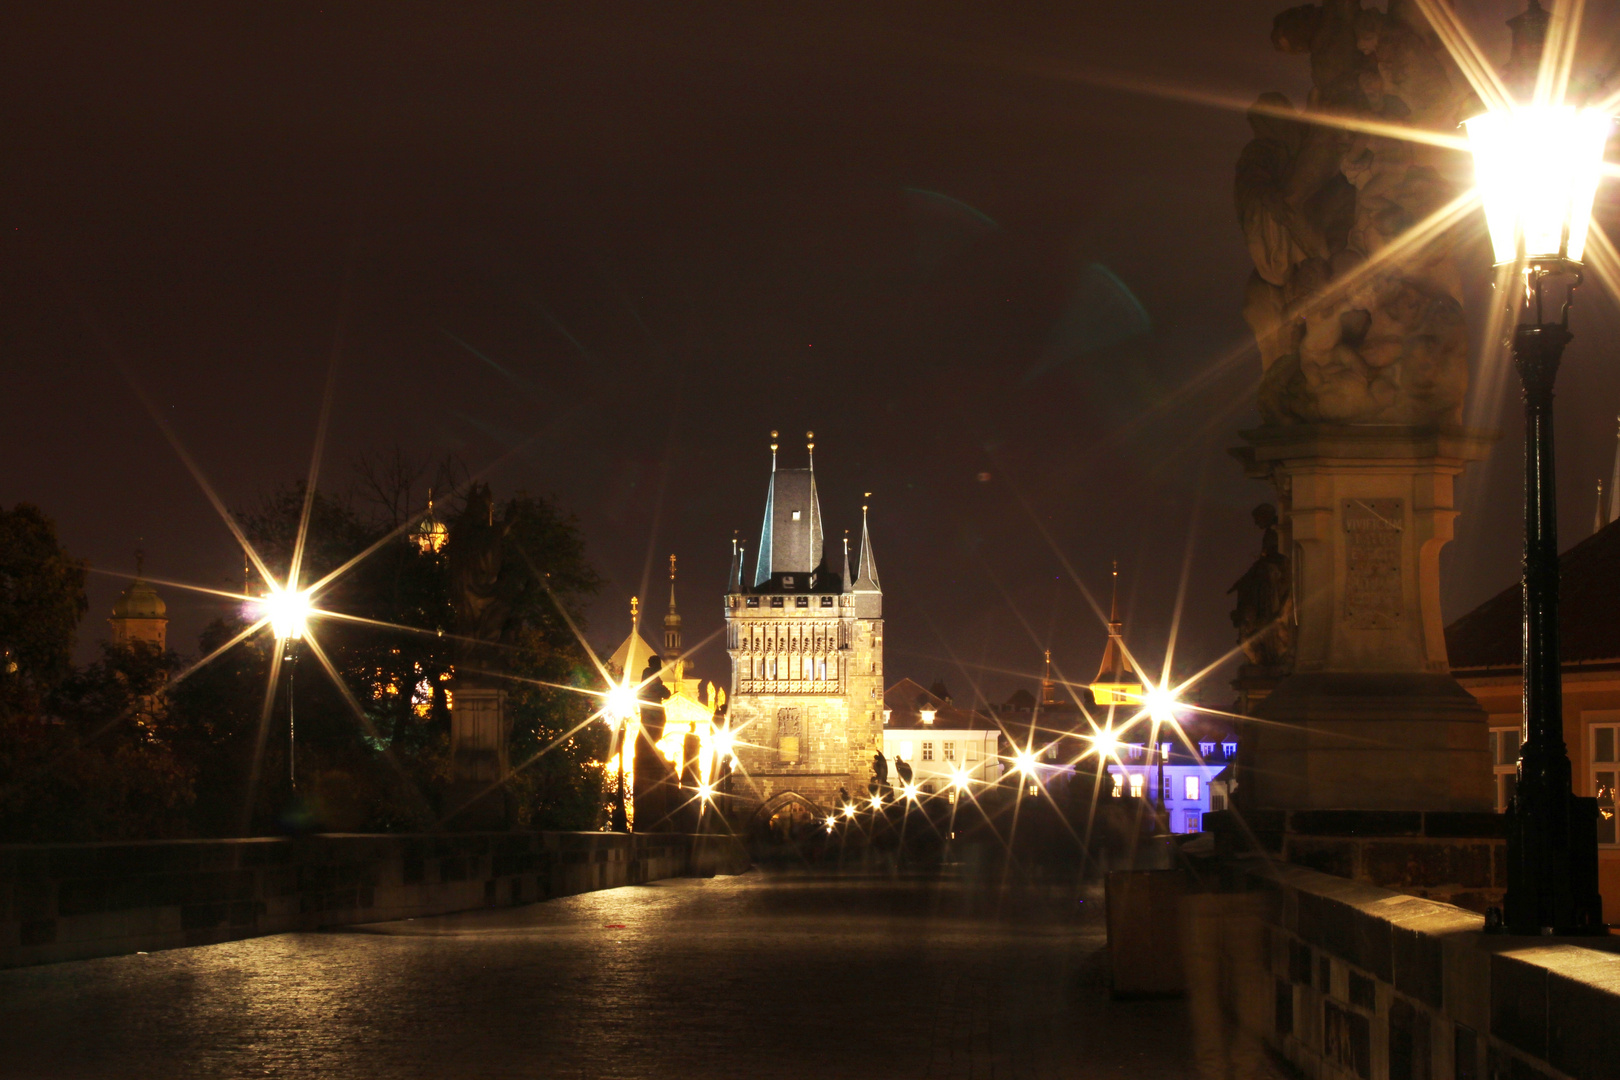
point(1264, 612)
point(1349, 331)
point(476, 554)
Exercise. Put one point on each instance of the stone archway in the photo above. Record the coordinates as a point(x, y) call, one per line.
point(786, 816)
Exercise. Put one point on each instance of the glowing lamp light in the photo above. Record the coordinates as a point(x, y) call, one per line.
point(877, 802)
point(621, 701)
point(1160, 704)
point(721, 741)
point(910, 792)
point(288, 612)
point(1024, 763)
point(1537, 169)
point(960, 780)
point(1106, 743)
point(706, 792)
point(849, 810)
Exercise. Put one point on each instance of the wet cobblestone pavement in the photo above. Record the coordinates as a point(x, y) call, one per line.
point(759, 975)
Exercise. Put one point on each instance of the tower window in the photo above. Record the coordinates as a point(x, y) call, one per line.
point(795, 515)
point(752, 601)
point(776, 601)
point(801, 601)
point(826, 601)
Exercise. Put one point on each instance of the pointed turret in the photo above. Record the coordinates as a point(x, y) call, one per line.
point(868, 591)
point(849, 582)
point(734, 579)
point(1116, 682)
point(790, 539)
point(631, 655)
point(1049, 691)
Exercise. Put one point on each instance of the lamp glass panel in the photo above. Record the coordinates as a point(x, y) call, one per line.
point(1537, 170)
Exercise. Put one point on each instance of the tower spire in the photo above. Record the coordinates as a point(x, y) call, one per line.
point(672, 629)
point(1116, 682)
point(1597, 511)
point(849, 582)
point(868, 590)
point(734, 580)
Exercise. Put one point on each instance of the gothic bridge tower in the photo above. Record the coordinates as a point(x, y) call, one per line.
point(806, 647)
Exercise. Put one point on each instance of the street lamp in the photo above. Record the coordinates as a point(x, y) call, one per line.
point(288, 611)
point(1537, 170)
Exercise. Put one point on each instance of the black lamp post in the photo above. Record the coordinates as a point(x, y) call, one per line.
point(1537, 168)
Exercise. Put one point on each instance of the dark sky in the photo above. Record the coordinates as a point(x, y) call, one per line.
point(608, 247)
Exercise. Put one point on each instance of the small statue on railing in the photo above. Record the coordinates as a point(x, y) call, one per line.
point(1264, 615)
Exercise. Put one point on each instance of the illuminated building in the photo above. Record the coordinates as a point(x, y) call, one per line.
point(938, 740)
point(1184, 784)
point(806, 648)
point(1117, 682)
point(1485, 645)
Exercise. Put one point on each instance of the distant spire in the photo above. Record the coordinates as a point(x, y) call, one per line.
point(672, 628)
point(1049, 694)
point(635, 613)
point(810, 445)
point(773, 450)
point(1116, 682)
point(140, 562)
point(1614, 482)
point(1597, 512)
point(762, 557)
point(849, 582)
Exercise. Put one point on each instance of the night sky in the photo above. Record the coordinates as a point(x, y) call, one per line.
point(606, 248)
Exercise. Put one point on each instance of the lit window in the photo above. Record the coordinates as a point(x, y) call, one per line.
point(1206, 749)
point(1119, 785)
point(1229, 749)
point(795, 515)
point(905, 750)
point(928, 751)
point(1164, 750)
point(950, 751)
point(1168, 790)
point(1137, 782)
point(1192, 789)
point(973, 751)
point(1193, 822)
point(1605, 771)
point(1504, 746)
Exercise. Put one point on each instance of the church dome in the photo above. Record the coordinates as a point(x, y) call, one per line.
point(140, 601)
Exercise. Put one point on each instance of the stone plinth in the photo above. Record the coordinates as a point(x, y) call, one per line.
point(476, 798)
point(1370, 718)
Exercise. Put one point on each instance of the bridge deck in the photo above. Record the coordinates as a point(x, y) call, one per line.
point(759, 975)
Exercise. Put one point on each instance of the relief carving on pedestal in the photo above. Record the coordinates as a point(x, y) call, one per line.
point(1372, 562)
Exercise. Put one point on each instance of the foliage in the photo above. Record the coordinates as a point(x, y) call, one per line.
point(135, 745)
point(41, 603)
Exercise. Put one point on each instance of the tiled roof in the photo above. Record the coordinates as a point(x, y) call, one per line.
point(906, 699)
point(1589, 593)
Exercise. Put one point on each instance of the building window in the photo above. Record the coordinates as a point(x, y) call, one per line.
point(1193, 822)
point(1229, 749)
point(796, 515)
point(1191, 791)
point(1206, 749)
point(1167, 787)
point(752, 601)
point(1605, 768)
point(801, 601)
point(904, 751)
point(776, 601)
point(1136, 751)
point(1504, 746)
point(973, 751)
point(928, 751)
point(1137, 783)
point(826, 601)
point(1217, 795)
point(1119, 785)
point(950, 751)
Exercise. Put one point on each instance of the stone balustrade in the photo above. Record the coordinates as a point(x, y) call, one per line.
point(74, 901)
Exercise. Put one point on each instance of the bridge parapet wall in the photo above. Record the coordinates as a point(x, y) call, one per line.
point(75, 901)
point(1350, 980)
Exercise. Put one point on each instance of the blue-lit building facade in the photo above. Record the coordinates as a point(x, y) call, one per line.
point(1184, 783)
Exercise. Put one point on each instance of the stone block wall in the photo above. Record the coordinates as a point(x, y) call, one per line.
point(74, 901)
point(1370, 984)
point(1457, 857)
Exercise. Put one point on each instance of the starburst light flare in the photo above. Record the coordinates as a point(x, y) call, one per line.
point(1537, 168)
point(288, 611)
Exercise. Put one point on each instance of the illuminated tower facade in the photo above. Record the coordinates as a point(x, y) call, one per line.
point(806, 648)
point(139, 614)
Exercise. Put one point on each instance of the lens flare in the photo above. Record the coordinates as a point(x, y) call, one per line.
point(288, 611)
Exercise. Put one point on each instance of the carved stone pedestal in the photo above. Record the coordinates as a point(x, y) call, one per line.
point(476, 799)
point(1370, 718)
